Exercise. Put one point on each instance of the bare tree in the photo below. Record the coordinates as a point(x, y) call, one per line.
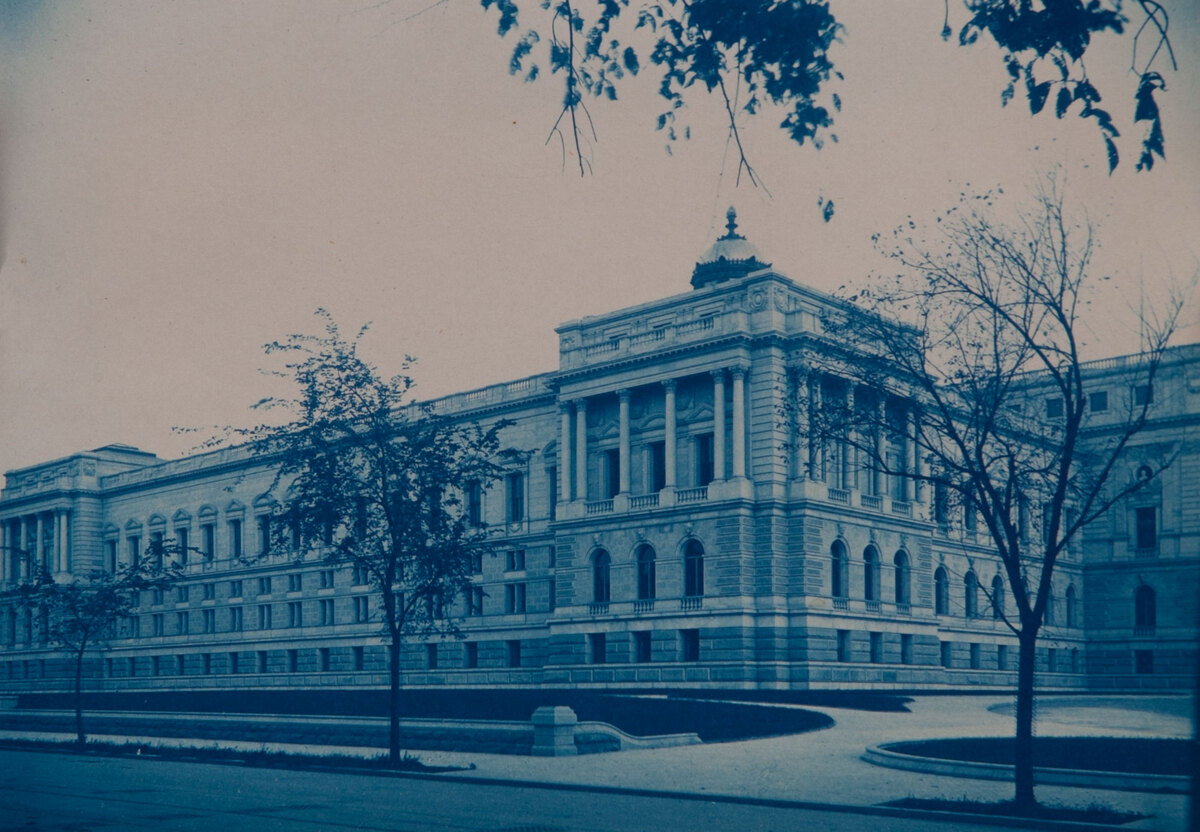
point(84, 612)
point(376, 482)
point(979, 405)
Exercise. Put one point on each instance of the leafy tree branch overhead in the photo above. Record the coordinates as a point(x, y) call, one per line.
point(754, 53)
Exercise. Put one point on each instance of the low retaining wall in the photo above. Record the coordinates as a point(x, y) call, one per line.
point(480, 736)
point(883, 755)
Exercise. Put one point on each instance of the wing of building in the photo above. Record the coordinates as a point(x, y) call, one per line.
point(672, 528)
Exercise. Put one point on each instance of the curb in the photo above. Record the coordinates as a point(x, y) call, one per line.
point(977, 819)
point(883, 755)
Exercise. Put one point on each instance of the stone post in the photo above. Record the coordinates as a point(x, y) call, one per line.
point(554, 731)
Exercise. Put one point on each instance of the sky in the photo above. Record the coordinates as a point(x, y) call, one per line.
point(181, 183)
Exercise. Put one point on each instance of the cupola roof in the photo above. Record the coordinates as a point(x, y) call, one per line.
point(730, 257)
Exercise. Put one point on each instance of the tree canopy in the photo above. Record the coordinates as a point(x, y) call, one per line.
point(758, 52)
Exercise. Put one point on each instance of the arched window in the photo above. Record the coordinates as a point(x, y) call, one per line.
point(941, 592)
point(600, 583)
point(837, 570)
point(693, 569)
point(645, 572)
point(1049, 617)
point(1145, 613)
point(871, 574)
point(997, 597)
point(1072, 607)
point(971, 595)
point(903, 593)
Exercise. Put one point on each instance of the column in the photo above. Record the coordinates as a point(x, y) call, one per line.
point(670, 441)
point(38, 543)
point(718, 377)
point(800, 402)
point(880, 445)
point(816, 445)
point(581, 449)
point(623, 449)
point(5, 553)
point(910, 456)
point(564, 453)
point(739, 421)
point(848, 455)
point(919, 485)
point(63, 538)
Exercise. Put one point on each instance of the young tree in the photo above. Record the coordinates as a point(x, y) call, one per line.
point(376, 480)
point(979, 402)
point(760, 52)
point(84, 612)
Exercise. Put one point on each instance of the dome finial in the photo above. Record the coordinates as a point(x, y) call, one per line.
point(731, 223)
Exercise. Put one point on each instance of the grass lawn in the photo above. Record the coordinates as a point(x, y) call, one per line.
point(1125, 755)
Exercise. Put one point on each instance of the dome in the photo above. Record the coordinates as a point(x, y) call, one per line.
point(730, 257)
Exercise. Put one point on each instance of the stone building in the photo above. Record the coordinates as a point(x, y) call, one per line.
point(671, 528)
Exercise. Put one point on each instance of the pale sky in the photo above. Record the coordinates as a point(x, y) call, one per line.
point(182, 182)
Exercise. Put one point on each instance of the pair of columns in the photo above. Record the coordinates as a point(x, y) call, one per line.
point(738, 375)
point(812, 453)
point(18, 556)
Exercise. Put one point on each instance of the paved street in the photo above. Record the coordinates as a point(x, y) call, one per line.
point(62, 792)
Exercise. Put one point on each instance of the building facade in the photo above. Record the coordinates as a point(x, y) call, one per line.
point(671, 527)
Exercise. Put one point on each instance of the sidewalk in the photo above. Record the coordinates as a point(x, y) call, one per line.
point(825, 766)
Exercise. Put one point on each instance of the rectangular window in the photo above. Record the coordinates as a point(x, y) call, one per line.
point(689, 645)
point(471, 654)
point(597, 648)
point(295, 614)
point(260, 662)
point(947, 658)
point(264, 616)
point(514, 598)
point(612, 472)
point(206, 663)
point(156, 548)
point(181, 594)
point(293, 659)
point(156, 596)
point(1001, 657)
point(235, 589)
point(974, 656)
point(1054, 408)
point(326, 612)
point(1147, 528)
point(906, 648)
point(326, 578)
point(516, 497)
point(513, 652)
point(658, 466)
point(295, 582)
point(361, 576)
point(360, 661)
point(641, 646)
point(876, 648)
point(264, 534)
point(1051, 660)
point(552, 557)
point(264, 586)
point(156, 621)
point(552, 595)
point(1143, 394)
point(476, 562)
point(362, 609)
point(843, 645)
point(181, 545)
point(514, 560)
point(233, 663)
point(324, 656)
point(235, 619)
point(135, 550)
point(208, 534)
point(210, 592)
point(235, 538)
point(431, 656)
point(209, 617)
point(474, 499)
point(474, 597)
point(1098, 401)
point(155, 666)
point(181, 623)
point(704, 459)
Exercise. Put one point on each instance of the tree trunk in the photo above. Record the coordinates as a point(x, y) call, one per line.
point(394, 700)
point(1023, 749)
point(80, 737)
